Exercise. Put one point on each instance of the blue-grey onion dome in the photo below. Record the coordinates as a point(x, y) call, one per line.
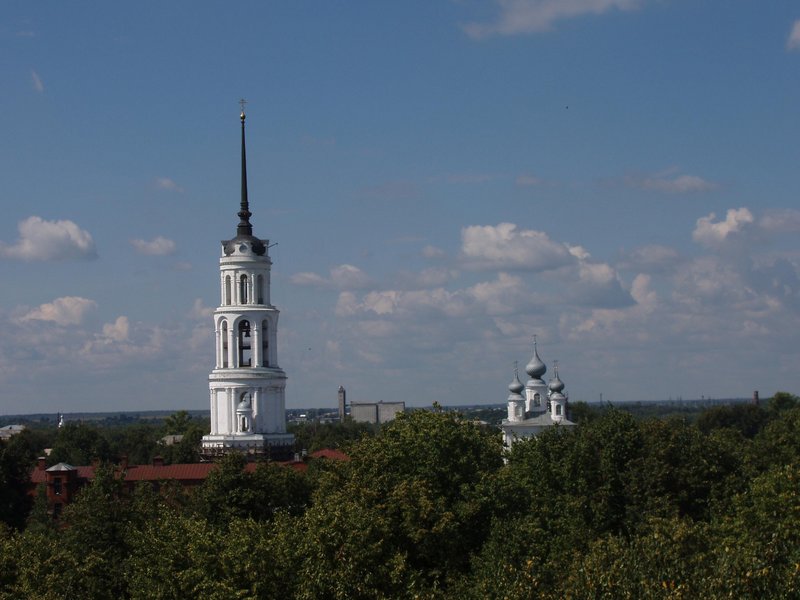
point(555, 385)
point(244, 404)
point(536, 368)
point(516, 387)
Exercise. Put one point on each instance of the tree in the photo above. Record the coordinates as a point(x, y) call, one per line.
point(79, 444)
point(782, 401)
point(408, 508)
point(747, 419)
point(177, 423)
point(16, 461)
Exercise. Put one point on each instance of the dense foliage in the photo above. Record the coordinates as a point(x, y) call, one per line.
point(617, 507)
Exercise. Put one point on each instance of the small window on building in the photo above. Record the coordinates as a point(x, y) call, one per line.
point(265, 343)
point(260, 289)
point(224, 334)
point(245, 347)
point(243, 289)
point(228, 290)
point(537, 400)
point(558, 410)
point(57, 486)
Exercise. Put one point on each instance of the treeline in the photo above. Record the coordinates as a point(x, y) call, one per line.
point(614, 508)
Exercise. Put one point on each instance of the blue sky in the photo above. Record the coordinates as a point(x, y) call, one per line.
point(443, 179)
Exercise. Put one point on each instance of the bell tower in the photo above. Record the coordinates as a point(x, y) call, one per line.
point(246, 387)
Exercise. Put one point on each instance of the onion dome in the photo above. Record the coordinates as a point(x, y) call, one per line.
point(244, 404)
point(556, 385)
point(536, 368)
point(516, 387)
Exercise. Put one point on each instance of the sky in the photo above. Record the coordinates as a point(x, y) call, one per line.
point(443, 180)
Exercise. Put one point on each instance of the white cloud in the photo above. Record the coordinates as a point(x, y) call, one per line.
point(534, 16)
point(309, 279)
point(67, 310)
point(165, 183)
point(432, 252)
point(506, 247)
point(342, 277)
point(49, 240)
point(348, 276)
point(36, 81)
point(709, 233)
point(679, 184)
point(118, 330)
point(793, 43)
point(200, 310)
point(651, 258)
point(781, 221)
point(158, 246)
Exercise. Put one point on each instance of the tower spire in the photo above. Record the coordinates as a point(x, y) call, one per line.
point(244, 227)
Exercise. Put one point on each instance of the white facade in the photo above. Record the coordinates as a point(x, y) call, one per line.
point(246, 387)
point(542, 407)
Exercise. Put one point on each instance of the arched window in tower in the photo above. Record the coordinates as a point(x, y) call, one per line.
point(245, 349)
point(227, 290)
point(265, 343)
point(224, 335)
point(558, 410)
point(260, 289)
point(537, 400)
point(243, 289)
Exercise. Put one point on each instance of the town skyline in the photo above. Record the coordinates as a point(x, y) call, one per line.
point(442, 180)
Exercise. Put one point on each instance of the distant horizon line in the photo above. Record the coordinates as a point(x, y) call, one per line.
point(159, 412)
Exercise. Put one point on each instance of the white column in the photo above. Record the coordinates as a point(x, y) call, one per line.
point(213, 400)
point(255, 343)
point(218, 340)
point(232, 351)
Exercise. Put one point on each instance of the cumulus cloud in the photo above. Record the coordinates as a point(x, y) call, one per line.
point(36, 81)
point(505, 247)
point(307, 278)
point(118, 330)
point(432, 252)
point(49, 240)
point(67, 310)
point(348, 276)
point(710, 233)
point(651, 258)
point(165, 183)
point(598, 285)
point(678, 184)
point(200, 310)
point(793, 43)
point(534, 16)
point(158, 246)
point(342, 276)
point(781, 221)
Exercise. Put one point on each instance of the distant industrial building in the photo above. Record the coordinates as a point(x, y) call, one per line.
point(375, 412)
point(369, 412)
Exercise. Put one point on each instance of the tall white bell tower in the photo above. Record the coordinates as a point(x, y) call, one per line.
point(247, 387)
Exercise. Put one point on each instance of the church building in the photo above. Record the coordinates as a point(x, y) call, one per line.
point(543, 405)
point(247, 385)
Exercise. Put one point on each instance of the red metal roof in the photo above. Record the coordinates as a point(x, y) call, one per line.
point(187, 472)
